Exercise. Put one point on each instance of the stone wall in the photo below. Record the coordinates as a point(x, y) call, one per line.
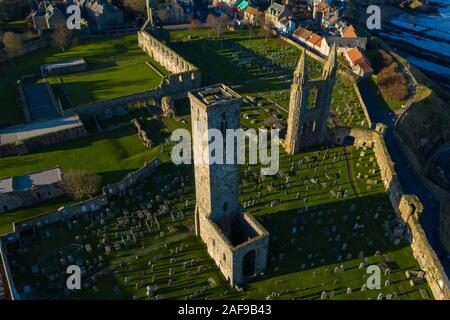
point(408, 207)
point(132, 178)
point(165, 56)
point(185, 77)
point(29, 197)
point(143, 136)
point(91, 205)
point(362, 103)
point(229, 258)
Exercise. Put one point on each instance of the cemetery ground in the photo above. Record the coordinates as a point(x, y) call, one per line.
point(111, 154)
point(323, 235)
point(263, 68)
point(117, 67)
point(325, 210)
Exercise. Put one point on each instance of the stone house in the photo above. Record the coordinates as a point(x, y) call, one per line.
point(47, 16)
point(359, 63)
point(251, 15)
point(102, 14)
point(310, 39)
point(30, 189)
point(275, 13)
point(13, 9)
point(174, 11)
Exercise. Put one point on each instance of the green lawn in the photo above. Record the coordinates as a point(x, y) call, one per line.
point(7, 219)
point(324, 201)
point(346, 108)
point(112, 154)
point(301, 262)
point(119, 69)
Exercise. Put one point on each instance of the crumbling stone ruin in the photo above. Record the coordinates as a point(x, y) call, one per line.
point(407, 207)
point(168, 107)
point(309, 105)
point(235, 240)
point(142, 133)
point(189, 76)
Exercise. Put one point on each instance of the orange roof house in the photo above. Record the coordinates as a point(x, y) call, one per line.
point(315, 39)
point(251, 11)
point(349, 32)
point(359, 62)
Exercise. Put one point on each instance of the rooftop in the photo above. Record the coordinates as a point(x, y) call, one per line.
point(34, 129)
point(20, 183)
point(63, 64)
point(349, 32)
point(214, 94)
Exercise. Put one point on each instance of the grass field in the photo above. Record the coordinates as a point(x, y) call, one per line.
point(345, 106)
point(111, 154)
point(118, 69)
point(301, 260)
point(319, 201)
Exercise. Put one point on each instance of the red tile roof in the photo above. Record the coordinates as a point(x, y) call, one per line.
point(349, 32)
point(315, 39)
point(358, 59)
point(302, 33)
point(251, 10)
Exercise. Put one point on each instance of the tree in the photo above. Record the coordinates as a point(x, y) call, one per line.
point(251, 25)
point(163, 16)
point(265, 27)
point(13, 43)
point(135, 6)
point(195, 26)
point(62, 37)
point(79, 183)
point(218, 24)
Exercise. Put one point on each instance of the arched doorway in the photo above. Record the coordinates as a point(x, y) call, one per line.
point(349, 141)
point(248, 267)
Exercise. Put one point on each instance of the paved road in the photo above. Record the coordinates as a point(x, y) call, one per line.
point(408, 179)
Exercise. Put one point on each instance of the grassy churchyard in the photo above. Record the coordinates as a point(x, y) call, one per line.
point(346, 109)
point(322, 236)
point(117, 67)
point(325, 209)
point(263, 68)
point(111, 154)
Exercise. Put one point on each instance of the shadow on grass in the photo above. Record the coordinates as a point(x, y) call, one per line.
point(317, 241)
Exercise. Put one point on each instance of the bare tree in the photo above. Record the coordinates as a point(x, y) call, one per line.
point(62, 37)
point(265, 27)
point(79, 183)
point(163, 16)
point(13, 43)
point(195, 26)
point(251, 25)
point(218, 24)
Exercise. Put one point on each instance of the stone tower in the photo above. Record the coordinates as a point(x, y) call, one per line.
point(234, 239)
point(309, 105)
point(217, 185)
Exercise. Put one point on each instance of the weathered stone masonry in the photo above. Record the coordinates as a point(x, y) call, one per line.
point(235, 240)
point(407, 207)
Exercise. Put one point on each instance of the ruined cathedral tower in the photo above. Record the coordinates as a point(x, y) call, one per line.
point(309, 105)
point(235, 240)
